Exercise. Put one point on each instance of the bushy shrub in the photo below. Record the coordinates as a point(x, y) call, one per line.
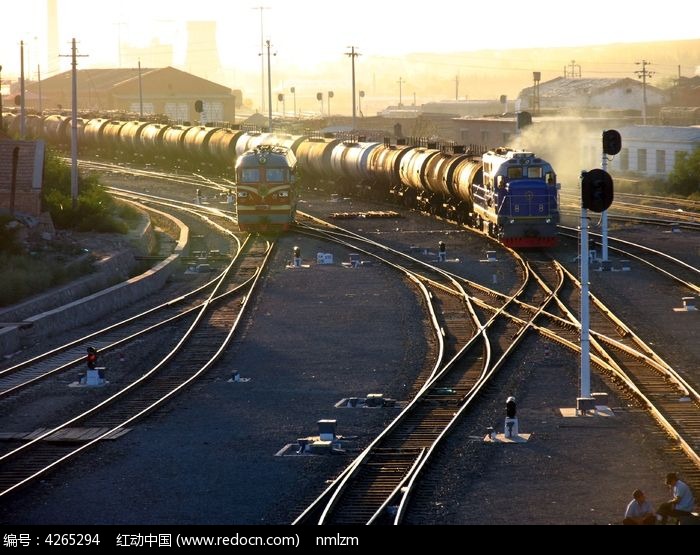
point(684, 179)
point(95, 210)
point(25, 275)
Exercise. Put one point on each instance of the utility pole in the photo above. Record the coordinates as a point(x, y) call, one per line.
point(574, 66)
point(74, 124)
point(293, 90)
point(353, 55)
point(38, 79)
point(456, 87)
point(140, 94)
point(643, 74)
point(269, 85)
point(22, 113)
point(262, 60)
point(0, 99)
point(400, 82)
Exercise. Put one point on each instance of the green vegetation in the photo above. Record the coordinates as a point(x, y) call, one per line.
point(23, 275)
point(96, 210)
point(685, 177)
point(28, 267)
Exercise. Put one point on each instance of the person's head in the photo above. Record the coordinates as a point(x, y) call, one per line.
point(671, 479)
point(638, 495)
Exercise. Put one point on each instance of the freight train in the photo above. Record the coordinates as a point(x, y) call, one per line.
point(511, 195)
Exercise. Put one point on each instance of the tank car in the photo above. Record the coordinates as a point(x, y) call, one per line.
point(266, 195)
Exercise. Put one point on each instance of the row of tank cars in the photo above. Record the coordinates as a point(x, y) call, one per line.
point(512, 195)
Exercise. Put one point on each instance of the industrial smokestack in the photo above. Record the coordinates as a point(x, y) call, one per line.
point(52, 36)
point(202, 51)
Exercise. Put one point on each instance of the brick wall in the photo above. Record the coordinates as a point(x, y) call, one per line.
point(29, 176)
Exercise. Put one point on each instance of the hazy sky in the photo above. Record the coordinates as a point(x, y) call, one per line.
point(306, 32)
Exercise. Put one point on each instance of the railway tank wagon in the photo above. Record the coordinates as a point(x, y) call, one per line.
point(266, 195)
point(349, 161)
point(314, 158)
point(384, 163)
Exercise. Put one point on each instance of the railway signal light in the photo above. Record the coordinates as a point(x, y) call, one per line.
point(596, 190)
point(91, 358)
point(198, 106)
point(612, 142)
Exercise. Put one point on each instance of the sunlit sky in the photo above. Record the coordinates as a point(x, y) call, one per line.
point(305, 32)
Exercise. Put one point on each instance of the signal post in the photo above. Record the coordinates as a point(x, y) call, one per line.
point(596, 195)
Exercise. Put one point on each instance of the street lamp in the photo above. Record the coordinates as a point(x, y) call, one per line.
point(330, 95)
point(269, 84)
point(353, 55)
point(294, 92)
point(262, 60)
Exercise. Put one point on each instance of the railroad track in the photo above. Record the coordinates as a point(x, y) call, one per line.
point(637, 208)
point(196, 351)
point(683, 273)
point(383, 475)
point(117, 336)
point(547, 303)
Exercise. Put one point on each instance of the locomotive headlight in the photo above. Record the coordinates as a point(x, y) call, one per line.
point(548, 221)
point(512, 221)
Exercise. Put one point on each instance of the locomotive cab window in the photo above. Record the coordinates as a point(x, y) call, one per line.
point(514, 172)
point(534, 172)
point(275, 175)
point(250, 175)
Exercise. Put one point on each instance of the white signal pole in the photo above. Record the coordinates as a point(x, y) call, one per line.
point(604, 221)
point(585, 315)
point(22, 112)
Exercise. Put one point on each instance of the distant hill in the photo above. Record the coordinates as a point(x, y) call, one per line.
point(484, 74)
point(490, 73)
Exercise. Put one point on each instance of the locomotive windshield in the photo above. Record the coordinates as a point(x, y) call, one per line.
point(531, 172)
point(250, 175)
point(275, 175)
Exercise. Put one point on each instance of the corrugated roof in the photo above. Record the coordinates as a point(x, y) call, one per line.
point(658, 133)
point(566, 87)
point(110, 79)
